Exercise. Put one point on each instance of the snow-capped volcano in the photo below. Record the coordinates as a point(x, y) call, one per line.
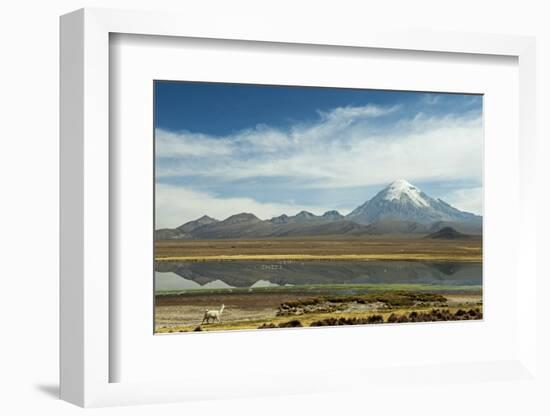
point(402, 201)
point(400, 208)
point(403, 189)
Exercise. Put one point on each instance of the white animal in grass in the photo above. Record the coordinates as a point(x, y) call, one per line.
point(213, 315)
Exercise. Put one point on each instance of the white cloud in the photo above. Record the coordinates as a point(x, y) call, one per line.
point(177, 205)
point(184, 144)
point(340, 114)
point(342, 149)
point(469, 199)
point(431, 99)
point(345, 147)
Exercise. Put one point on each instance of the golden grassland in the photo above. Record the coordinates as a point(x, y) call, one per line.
point(334, 249)
point(328, 257)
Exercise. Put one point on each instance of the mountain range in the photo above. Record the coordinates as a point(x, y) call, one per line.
point(400, 208)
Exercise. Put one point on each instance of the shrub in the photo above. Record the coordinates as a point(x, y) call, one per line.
point(375, 319)
point(392, 318)
point(326, 322)
point(295, 323)
point(474, 313)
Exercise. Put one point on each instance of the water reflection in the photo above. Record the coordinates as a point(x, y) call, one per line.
point(203, 275)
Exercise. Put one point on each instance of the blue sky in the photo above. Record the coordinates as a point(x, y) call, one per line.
point(228, 148)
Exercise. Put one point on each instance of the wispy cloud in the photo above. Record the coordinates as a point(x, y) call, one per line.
point(431, 99)
point(182, 145)
point(350, 113)
point(345, 147)
point(467, 199)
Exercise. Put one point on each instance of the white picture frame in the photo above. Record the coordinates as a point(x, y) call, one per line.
point(86, 206)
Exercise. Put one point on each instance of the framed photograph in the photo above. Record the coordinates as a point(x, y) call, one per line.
point(290, 213)
point(284, 206)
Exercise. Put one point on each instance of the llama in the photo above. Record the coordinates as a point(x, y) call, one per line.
point(214, 315)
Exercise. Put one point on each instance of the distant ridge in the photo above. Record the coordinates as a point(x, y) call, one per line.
point(193, 225)
point(448, 233)
point(397, 227)
point(305, 217)
point(332, 215)
point(241, 218)
point(399, 209)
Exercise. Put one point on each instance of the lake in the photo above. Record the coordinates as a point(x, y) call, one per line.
point(183, 276)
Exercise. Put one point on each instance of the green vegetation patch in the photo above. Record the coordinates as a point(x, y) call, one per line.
point(371, 287)
point(395, 299)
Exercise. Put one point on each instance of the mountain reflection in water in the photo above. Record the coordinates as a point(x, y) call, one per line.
point(218, 275)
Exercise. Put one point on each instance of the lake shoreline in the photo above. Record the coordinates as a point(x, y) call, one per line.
point(328, 258)
point(322, 249)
